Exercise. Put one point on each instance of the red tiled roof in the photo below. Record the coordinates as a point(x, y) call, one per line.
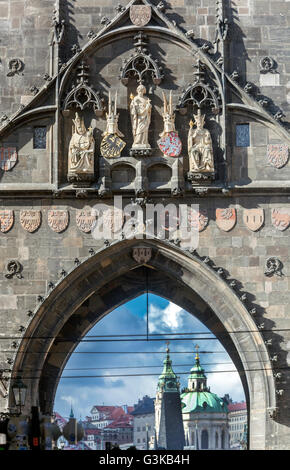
point(124, 421)
point(113, 412)
point(94, 432)
point(237, 406)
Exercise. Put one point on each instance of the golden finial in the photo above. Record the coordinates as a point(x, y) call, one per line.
point(132, 96)
point(167, 349)
point(196, 354)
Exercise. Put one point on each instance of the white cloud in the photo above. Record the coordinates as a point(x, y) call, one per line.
point(171, 317)
point(226, 382)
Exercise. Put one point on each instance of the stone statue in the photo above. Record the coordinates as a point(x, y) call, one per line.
point(112, 144)
point(81, 152)
point(200, 148)
point(169, 142)
point(140, 110)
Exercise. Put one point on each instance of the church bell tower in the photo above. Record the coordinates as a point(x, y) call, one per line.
point(168, 416)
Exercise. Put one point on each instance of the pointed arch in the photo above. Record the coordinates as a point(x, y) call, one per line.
point(110, 278)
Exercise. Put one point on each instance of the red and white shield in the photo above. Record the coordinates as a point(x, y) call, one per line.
point(198, 220)
point(253, 218)
point(8, 158)
point(142, 254)
point(170, 145)
point(30, 220)
point(6, 220)
point(226, 218)
point(58, 220)
point(85, 220)
point(278, 154)
point(140, 15)
point(281, 218)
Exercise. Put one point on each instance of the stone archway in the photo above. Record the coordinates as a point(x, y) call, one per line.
point(110, 278)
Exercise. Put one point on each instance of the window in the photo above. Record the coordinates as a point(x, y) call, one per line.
point(204, 439)
point(242, 135)
point(39, 138)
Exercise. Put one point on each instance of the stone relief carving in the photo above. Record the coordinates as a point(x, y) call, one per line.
point(273, 266)
point(14, 268)
point(58, 220)
point(200, 150)
point(6, 220)
point(81, 153)
point(253, 218)
point(30, 220)
point(278, 154)
point(281, 218)
point(267, 65)
point(226, 218)
point(112, 144)
point(169, 143)
point(140, 110)
point(15, 67)
point(140, 15)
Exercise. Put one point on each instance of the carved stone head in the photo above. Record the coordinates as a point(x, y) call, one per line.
point(199, 119)
point(79, 125)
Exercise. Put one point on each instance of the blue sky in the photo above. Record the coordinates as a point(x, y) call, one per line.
point(145, 357)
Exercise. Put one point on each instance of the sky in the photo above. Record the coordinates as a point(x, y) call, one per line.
point(109, 359)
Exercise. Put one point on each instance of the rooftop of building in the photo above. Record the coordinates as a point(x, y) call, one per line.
point(144, 406)
point(241, 406)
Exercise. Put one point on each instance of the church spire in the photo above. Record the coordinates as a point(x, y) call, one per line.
point(197, 380)
point(168, 380)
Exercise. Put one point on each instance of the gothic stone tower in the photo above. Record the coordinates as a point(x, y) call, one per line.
point(209, 128)
point(168, 416)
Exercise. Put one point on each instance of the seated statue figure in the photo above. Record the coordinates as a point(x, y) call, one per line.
point(200, 150)
point(81, 152)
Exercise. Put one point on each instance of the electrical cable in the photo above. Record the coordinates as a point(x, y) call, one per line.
point(148, 375)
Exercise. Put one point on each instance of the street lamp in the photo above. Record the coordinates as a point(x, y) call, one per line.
point(19, 391)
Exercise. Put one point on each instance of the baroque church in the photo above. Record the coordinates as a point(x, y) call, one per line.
point(174, 104)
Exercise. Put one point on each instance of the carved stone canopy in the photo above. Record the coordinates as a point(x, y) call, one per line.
point(200, 94)
point(82, 95)
point(141, 64)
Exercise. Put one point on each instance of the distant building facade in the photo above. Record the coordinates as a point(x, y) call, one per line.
point(204, 413)
point(238, 420)
point(144, 423)
point(118, 433)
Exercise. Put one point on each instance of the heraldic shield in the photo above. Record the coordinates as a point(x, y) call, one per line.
point(142, 254)
point(58, 220)
point(281, 218)
point(140, 15)
point(226, 218)
point(8, 158)
point(6, 220)
point(253, 218)
point(112, 146)
point(170, 145)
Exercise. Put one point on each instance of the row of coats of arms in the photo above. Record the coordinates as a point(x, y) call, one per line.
point(58, 220)
point(82, 143)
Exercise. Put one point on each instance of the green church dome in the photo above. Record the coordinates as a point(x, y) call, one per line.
point(205, 402)
point(198, 397)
